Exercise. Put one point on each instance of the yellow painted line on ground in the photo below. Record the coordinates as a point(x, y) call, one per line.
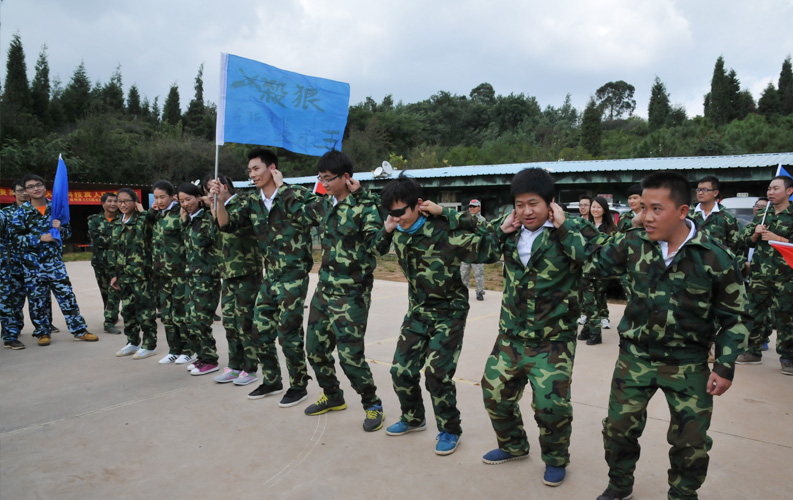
point(384, 341)
point(388, 363)
point(484, 316)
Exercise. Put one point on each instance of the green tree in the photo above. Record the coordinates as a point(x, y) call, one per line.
point(155, 110)
point(16, 95)
point(171, 111)
point(591, 130)
point(133, 102)
point(194, 116)
point(40, 89)
point(113, 92)
point(659, 108)
point(785, 88)
point(76, 97)
point(483, 93)
point(723, 96)
point(616, 98)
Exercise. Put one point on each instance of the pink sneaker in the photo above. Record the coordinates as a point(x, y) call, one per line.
point(202, 368)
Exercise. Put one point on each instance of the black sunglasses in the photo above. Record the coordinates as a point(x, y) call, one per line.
point(398, 212)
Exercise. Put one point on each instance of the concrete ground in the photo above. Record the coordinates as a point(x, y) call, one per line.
point(77, 422)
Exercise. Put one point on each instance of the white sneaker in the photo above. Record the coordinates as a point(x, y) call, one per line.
point(144, 353)
point(127, 350)
point(582, 320)
point(184, 359)
point(227, 376)
point(168, 359)
point(604, 323)
point(190, 367)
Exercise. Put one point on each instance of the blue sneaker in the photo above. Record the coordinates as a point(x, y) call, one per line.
point(447, 443)
point(765, 346)
point(401, 428)
point(554, 476)
point(497, 456)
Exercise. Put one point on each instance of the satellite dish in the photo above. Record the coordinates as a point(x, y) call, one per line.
point(387, 168)
point(378, 172)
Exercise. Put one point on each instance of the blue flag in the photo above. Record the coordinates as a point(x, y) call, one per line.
point(60, 199)
point(781, 171)
point(261, 104)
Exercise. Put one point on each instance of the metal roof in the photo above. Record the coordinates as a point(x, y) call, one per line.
point(680, 163)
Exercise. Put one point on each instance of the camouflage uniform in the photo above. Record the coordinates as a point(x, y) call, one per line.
point(44, 270)
point(479, 270)
point(673, 314)
point(168, 274)
point(131, 259)
point(340, 307)
point(432, 330)
point(241, 271)
point(100, 233)
point(12, 290)
point(721, 226)
point(536, 338)
point(202, 244)
point(625, 221)
point(771, 284)
point(594, 302)
point(285, 245)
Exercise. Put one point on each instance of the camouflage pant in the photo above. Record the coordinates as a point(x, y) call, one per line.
point(203, 292)
point(479, 275)
point(12, 299)
point(433, 342)
point(770, 304)
point(110, 297)
point(635, 381)
point(238, 300)
point(594, 304)
point(548, 368)
point(279, 315)
point(137, 309)
point(173, 311)
point(340, 320)
point(38, 284)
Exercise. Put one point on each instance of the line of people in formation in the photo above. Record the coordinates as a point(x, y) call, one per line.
point(681, 268)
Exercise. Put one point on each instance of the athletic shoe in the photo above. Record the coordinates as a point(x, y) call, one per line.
point(554, 476)
point(324, 405)
point(227, 376)
point(480, 295)
point(184, 359)
point(787, 366)
point(293, 396)
point(582, 320)
point(374, 418)
point(191, 366)
point(127, 350)
point(584, 335)
point(44, 340)
point(447, 443)
point(497, 456)
point(594, 340)
point(203, 368)
point(765, 346)
point(144, 353)
point(749, 359)
point(611, 494)
point(168, 359)
point(401, 428)
point(245, 378)
point(604, 323)
point(112, 329)
point(13, 344)
point(88, 337)
point(265, 390)
point(55, 329)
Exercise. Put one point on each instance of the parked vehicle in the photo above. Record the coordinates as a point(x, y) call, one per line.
point(741, 208)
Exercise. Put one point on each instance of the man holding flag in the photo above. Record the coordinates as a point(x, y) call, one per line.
point(771, 278)
point(37, 229)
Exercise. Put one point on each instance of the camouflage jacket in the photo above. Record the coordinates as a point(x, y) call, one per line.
point(100, 234)
point(5, 250)
point(27, 227)
point(349, 232)
point(284, 243)
point(12, 254)
point(430, 259)
point(767, 263)
point(240, 252)
point(132, 247)
point(168, 248)
point(624, 222)
point(674, 312)
point(720, 226)
point(202, 245)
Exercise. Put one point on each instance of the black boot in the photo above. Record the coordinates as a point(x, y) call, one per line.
point(595, 339)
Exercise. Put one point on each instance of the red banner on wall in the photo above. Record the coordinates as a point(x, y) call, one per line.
point(76, 197)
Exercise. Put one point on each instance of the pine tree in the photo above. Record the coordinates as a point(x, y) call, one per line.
point(591, 131)
point(658, 110)
point(113, 92)
point(133, 102)
point(17, 92)
point(717, 101)
point(769, 103)
point(171, 111)
point(194, 117)
point(155, 110)
point(40, 89)
point(785, 88)
point(76, 98)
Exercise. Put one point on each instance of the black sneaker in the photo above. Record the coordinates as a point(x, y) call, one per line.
point(584, 335)
point(374, 418)
point(324, 405)
point(611, 494)
point(13, 344)
point(293, 396)
point(480, 295)
point(595, 340)
point(265, 390)
point(55, 329)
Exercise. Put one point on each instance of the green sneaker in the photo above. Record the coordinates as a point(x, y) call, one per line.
point(374, 418)
point(324, 405)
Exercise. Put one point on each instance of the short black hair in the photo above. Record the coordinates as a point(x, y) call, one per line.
point(714, 182)
point(132, 194)
point(678, 186)
point(787, 180)
point(32, 177)
point(107, 195)
point(533, 180)
point(635, 189)
point(335, 162)
point(267, 156)
point(403, 188)
point(585, 197)
point(762, 198)
point(190, 189)
point(16, 183)
point(164, 186)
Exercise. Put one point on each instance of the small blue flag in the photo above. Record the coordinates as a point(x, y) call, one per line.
point(60, 199)
point(781, 171)
point(262, 104)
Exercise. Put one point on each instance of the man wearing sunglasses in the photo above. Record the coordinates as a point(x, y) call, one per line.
point(475, 209)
